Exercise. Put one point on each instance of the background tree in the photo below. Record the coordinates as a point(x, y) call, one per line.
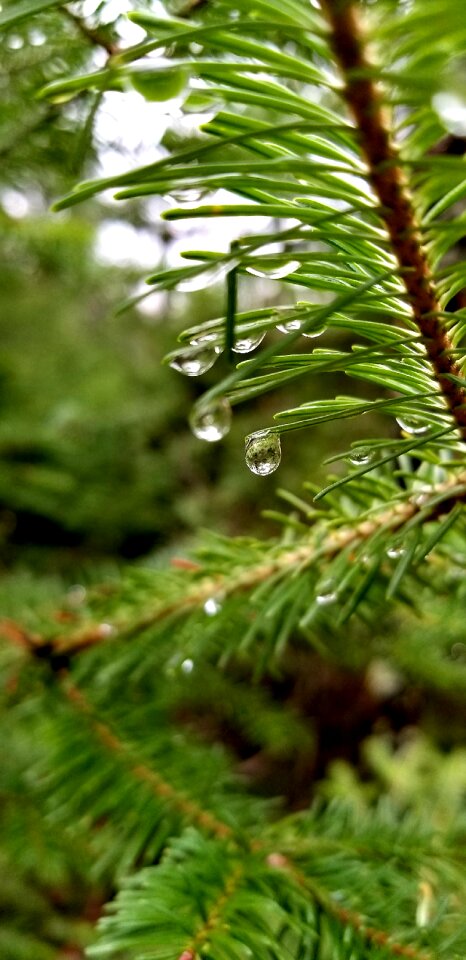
point(261, 748)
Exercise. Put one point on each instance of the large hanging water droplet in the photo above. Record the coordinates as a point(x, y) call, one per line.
point(193, 361)
point(361, 456)
point(326, 593)
point(412, 425)
point(290, 326)
point(206, 278)
point(212, 606)
point(263, 452)
point(275, 273)
point(211, 422)
point(244, 344)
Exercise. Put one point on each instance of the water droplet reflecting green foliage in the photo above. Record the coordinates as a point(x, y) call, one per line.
point(412, 425)
point(290, 326)
point(245, 343)
point(360, 456)
point(213, 340)
point(263, 452)
point(211, 422)
point(193, 361)
point(312, 334)
point(188, 194)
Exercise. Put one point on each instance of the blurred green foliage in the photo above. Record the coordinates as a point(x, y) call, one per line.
point(96, 457)
point(95, 449)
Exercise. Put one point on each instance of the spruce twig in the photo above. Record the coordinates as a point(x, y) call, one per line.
point(207, 822)
point(214, 917)
point(392, 519)
point(387, 177)
point(192, 811)
point(347, 917)
point(94, 36)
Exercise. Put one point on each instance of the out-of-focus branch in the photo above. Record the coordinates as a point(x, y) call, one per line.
point(95, 36)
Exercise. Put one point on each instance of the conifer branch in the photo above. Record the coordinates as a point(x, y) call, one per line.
point(347, 917)
point(212, 825)
point(214, 918)
point(365, 101)
point(391, 518)
point(164, 790)
point(94, 36)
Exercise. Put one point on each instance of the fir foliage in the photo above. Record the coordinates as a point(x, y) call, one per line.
point(329, 121)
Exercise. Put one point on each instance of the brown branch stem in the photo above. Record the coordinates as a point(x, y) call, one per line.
point(94, 36)
point(214, 916)
point(387, 177)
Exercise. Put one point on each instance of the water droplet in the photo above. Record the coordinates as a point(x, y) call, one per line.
point(395, 551)
point(450, 106)
point(360, 456)
point(210, 339)
point(212, 606)
point(187, 666)
point(412, 425)
point(211, 422)
point(263, 452)
point(316, 332)
point(382, 679)
point(244, 344)
point(106, 629)
point(275, 273)
point(193, 361)
point(188, 194)
point(421, 498)
point(15, 42)
point(290, 326)
point(326, 593)
point(206, 278)
point(76, 595)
